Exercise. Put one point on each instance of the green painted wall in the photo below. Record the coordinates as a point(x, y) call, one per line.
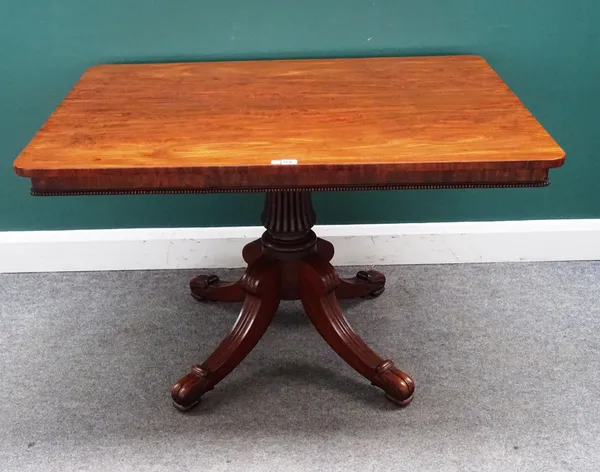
point(547, 51)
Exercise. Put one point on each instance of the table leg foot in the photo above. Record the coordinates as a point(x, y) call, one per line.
point(397, 385)
point(260, 284)
point(186, 393)
point(318, 283)
point(210, 287)
point(369, 283)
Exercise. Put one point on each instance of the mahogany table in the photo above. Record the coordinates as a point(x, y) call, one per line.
point(287, 128)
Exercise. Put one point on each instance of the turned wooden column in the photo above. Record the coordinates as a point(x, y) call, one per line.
point(288, 218)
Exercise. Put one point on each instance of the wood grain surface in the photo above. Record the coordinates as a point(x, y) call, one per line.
point(366, 121)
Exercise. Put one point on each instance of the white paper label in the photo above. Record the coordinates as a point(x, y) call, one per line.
point(285, 162)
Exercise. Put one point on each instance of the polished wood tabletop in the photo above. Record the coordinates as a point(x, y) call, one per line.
point(326, 123)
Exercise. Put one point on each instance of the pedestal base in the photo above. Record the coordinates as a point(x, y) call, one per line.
point(290, 263)
point(370, 283)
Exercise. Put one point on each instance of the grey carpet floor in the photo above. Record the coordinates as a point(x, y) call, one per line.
point(506, 358)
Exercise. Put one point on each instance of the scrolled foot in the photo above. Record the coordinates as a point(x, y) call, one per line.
point(210, 287)
point(187, 392)
point(201, 284)
point(367, 283)
point(375, 279)
point(397, 385)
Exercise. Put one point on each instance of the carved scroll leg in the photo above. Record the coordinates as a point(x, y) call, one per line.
point(366, 284)
point(369, 283)
point(252, 251)
point(261, 285)
point(210, 287)
point(318, 282)
point(325, 249)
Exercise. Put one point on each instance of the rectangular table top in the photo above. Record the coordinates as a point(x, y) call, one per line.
point(377, 122)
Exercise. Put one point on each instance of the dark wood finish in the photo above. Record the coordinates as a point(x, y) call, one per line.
point(318, 283)
point(367, 283)
point(288, 218)
point(212, 288)
point(261, 284)
point(252, 251)
point(325, 249)
point(348, 122)
point(292, 264)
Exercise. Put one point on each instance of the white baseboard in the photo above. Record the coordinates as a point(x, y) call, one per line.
point(364, 245)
